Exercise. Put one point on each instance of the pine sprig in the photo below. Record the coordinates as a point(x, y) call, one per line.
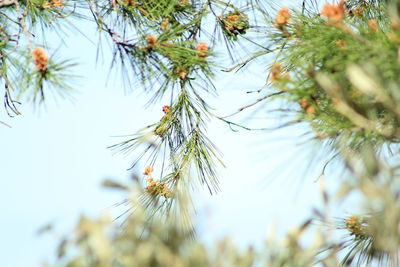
point(321, 49)
point(20, 21)
point(180, 141)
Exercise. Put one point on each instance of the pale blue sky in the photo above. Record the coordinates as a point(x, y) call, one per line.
point(53, 160)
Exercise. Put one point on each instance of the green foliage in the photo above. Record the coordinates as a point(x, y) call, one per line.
point(19, 24)
point(340, 67)
point(336, 67)
point(140, 243)
point(322, 57)
point(234, 23)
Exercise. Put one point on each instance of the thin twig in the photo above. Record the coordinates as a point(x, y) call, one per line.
point(242, 64)
point(5, 124)
point(250, 105)
point(231, 123)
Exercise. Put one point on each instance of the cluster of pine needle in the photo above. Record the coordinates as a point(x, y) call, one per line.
point(27, 66)
point(161, 43)
point(336, 64)
point(319, 68)
point(338, 67)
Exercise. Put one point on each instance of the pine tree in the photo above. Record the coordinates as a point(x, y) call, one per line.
point(333, 67)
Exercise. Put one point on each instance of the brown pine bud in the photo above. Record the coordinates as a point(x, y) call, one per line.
point(151, 39)
point(148, 170)
point(40, 59)
point(202, 47)
point(341, 43)
point(304, 103)
point(310, 110)
point(165, 24)
point(373, 25)
point(335, 13)
point(283, 17)
point(166, 108)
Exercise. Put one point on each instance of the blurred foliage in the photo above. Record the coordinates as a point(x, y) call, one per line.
point(138, 242)
point(344, 73)
point(370, 239)
point(339, 64)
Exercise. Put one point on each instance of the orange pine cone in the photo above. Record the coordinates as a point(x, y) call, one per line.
point(233, 18)
point(334, 13)
point(304, 103)
point(276, 71)
point(310, 110)
point(340, 43)
point(373, 25)
point(166, 108)
point(165, 24)
point(57, 3)
point(148, 170)
point(283, 17)
point(202, 47)
point(151, 39)
point(40, 59)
